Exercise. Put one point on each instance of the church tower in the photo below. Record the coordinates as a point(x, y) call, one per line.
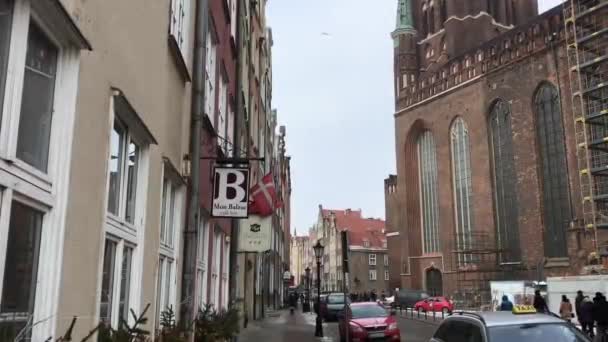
point(406, 65)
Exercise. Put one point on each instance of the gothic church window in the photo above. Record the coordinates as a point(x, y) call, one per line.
point(553, 168)
point(506, 212)
point(427, 168)
point(462, 186)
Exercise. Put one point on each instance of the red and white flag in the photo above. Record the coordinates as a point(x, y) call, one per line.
point(263, 197)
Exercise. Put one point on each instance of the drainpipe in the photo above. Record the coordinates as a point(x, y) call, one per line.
point(197, 110)
point(234, 229)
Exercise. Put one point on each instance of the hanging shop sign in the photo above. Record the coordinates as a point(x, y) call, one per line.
point(230, 192)
point(255, 234)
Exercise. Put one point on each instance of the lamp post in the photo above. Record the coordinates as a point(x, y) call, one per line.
point(318, 249)
point(306, 306)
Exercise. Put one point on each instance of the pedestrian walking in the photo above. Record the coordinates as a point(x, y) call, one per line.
point(506, 304)
point(539, 303)
point(600, 316)
point(565, 309)
point(373, 296)
point(585, 316)
point(578, 301)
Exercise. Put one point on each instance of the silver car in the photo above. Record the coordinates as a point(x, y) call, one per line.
point(505, 326)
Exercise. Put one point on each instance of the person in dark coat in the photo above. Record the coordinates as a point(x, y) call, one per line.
point(600, 316)
point(585, 316)
point(506, 304)
point(539, 303)
point(578, 301)
point(373, 296)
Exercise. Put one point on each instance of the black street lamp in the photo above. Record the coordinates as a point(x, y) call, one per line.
point(306, 306)
point(318, 249)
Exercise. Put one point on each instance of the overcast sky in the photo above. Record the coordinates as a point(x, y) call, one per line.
point(333, 88)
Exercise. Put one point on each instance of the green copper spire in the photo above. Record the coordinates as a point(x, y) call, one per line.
point(405, 20)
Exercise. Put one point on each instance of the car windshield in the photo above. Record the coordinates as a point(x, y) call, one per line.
point(335, 299)
point(536, 332)
point(368, 311)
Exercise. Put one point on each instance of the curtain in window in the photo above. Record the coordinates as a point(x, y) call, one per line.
point(554, 177)
point(463, 193)
point(427, 162)
point(506, 210)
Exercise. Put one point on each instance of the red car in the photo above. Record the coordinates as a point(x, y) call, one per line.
point(436, 304)
point(369, 321)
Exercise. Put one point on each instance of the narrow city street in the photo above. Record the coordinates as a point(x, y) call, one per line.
point(300, 327)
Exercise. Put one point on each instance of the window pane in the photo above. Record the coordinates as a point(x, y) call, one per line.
point(132, 167)
point(20, 271)
point(125, 284)
point(117, 141)
point(6, 11)
point(37, 101)
point(107, 282)
point(170, 218)
point(159, 289)
point(167, 285)
point(163, 215)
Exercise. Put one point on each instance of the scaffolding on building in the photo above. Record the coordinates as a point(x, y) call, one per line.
point(477, 262)
point(587, 49)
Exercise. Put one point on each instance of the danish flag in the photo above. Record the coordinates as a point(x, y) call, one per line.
point(263, 197)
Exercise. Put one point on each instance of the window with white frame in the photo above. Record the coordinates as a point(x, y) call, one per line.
point(127, 176)
point(385, 259)
point(384, 244)
point(39, 61)
point(366, 243)
point(372, 259)
point(202, 256)
point(210, 76)
point(180, 24)
point(386, 275)
point(222, 107)
point(216, 268)
point(372, 275)
point(170, 229)
point(230, 132)
point(225, 273)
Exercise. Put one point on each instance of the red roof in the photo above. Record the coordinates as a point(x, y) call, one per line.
point(360, 229)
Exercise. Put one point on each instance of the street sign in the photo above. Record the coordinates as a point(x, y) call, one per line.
point(230, 192)
point(255, 234)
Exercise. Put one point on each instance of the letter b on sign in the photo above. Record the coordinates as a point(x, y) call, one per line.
point(230, 192)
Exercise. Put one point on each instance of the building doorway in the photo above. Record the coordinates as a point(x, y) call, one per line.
point(434, 282)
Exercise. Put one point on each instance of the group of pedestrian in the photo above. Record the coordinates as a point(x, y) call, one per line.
point(591, 313)
point(365, 296)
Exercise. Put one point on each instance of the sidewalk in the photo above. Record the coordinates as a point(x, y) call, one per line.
point(282, 326)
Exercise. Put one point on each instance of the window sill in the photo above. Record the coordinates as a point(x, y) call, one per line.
point(557, 262)
point(179, 59)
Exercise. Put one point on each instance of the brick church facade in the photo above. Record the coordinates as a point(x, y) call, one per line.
point(487, 185)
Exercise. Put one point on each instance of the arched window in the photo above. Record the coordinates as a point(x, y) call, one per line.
point(463, 193)
point(429, 206)
point(506, 211)
point(444, 12)
point(424, 21)
point(554, 177)
point(431, 13)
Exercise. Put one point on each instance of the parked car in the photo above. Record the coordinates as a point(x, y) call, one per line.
point(334, 304)
point(368, 321)
point(408, 298)
point(504, 326)
point(436, 304)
